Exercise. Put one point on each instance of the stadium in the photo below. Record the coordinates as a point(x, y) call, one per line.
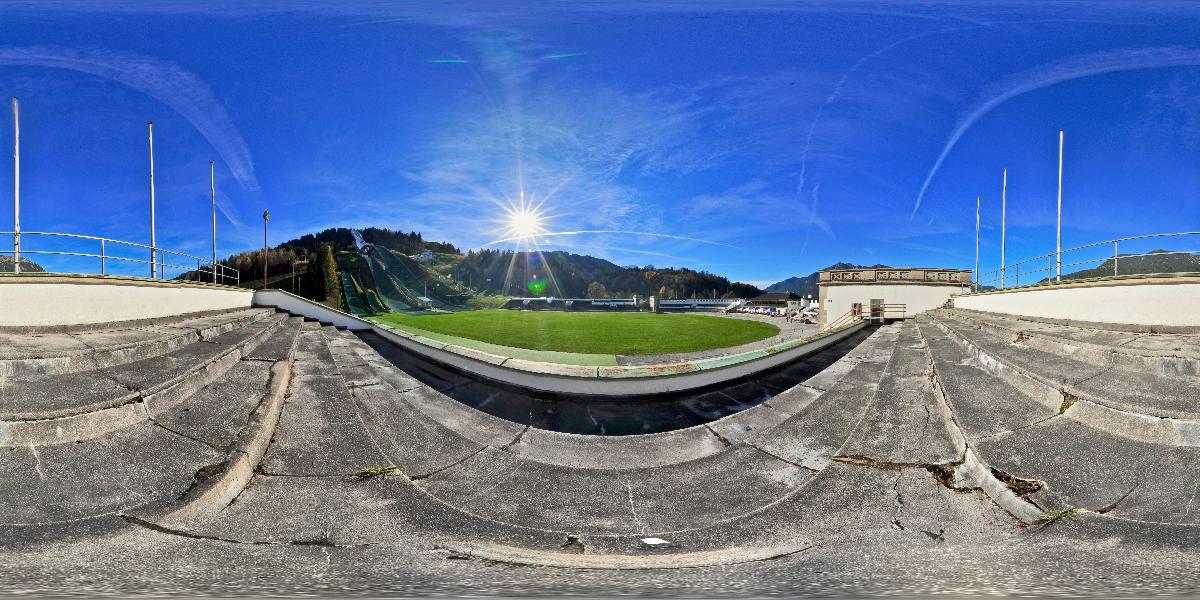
point(486, 348)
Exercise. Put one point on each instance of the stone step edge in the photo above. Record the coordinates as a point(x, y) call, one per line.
point(95, 423)
point(972, 473)
point(210, 496)
point(58, 363)
point(1161, 363)
point(1082, 406)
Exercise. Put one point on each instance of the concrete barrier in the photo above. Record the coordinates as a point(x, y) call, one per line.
point(57, 300)
point(615, 381)
point(306, 308)
point(1160, 302)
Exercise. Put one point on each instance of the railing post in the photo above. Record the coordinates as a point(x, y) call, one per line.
point(1050, 268)
point(1116, 257)
point(1018, 274)
point(103, 256)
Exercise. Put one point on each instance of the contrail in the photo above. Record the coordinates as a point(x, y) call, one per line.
point(607, 231)
point(812, 216)
point(1049, 74)
point(837, 90)
point(166, 82)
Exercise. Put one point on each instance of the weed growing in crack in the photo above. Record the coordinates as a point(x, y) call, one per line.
point(1055, 517)
point(1068, 400)
point(377, 472)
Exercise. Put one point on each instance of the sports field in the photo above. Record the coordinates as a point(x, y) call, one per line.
point(630, 334)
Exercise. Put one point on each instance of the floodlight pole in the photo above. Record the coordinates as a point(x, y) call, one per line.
point(1003, 223)
point(153, 242)
point(212, 186)
point(1058, 237)
point(16, 189)
point(266, 217)
point(977, 243)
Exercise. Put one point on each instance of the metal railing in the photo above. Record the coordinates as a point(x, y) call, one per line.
point(1043, 269)
point(157, 261)
point(874, 311)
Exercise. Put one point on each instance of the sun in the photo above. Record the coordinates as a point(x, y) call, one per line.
point(524, 223)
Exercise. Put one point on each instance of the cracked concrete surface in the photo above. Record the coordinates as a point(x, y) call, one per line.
point(916, 454)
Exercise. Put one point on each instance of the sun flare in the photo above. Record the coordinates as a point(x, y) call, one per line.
point(524, 223)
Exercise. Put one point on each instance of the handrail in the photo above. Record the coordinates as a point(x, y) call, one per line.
point(217, 272)
point(877, 311)
point(1008, 276)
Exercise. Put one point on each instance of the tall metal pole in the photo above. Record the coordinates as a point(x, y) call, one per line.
point(212, 185)
point(1058, 237)
point(16, 189)
point(1003, 223)
point(266, 217)
point(977, 243)
point(153, 241)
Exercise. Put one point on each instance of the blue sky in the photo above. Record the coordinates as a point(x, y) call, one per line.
point(777, 138)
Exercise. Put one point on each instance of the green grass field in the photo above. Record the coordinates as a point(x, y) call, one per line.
point(589, 333)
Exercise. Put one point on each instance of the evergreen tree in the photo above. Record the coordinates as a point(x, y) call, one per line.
point(329, 272)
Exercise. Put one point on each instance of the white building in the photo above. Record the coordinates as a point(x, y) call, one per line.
point(884, 292)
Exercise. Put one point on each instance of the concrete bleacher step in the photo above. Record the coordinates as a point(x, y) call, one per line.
point(43, 397)
point(183, 432)
point(910, 423)
point(1069, 463)
point(1132, 390)
point(476, 485)
point(1165, 354)
point(65, 350)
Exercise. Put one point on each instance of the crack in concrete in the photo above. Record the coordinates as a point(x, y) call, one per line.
point(516, 440)
point(780, 458)
point(37, 464)
point(724, 441)
point(896, 524)
point(449, 466)
point(322, 543)
point(154, 422)
point(1108, 508)
point(1188, 509)
point(633, 508)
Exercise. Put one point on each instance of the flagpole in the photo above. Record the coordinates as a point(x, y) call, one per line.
point(1003, 223)
point(153, 242)
point(1058, 238)
point(977, 243)
point(16, 188)
point(212, 185)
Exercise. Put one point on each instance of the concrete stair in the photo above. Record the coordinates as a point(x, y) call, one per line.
point(81, 441)
point(1046, 419)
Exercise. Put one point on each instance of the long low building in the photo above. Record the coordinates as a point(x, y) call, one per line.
point(878, 291)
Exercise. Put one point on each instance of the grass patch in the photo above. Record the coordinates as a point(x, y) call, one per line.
point(1056, 516)
point(486, 302)
point(631, 334)
point(377, 472)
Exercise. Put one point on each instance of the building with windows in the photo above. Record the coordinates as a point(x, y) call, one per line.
point(887, 292)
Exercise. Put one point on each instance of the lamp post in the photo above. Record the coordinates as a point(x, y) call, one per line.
point(266, 217)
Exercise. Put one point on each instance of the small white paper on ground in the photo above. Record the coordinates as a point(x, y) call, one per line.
point(654, 541)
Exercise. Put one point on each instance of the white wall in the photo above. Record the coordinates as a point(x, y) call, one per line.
point(48, 301)
point(1173, 301)
point(837, 299)
point(307, 308)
